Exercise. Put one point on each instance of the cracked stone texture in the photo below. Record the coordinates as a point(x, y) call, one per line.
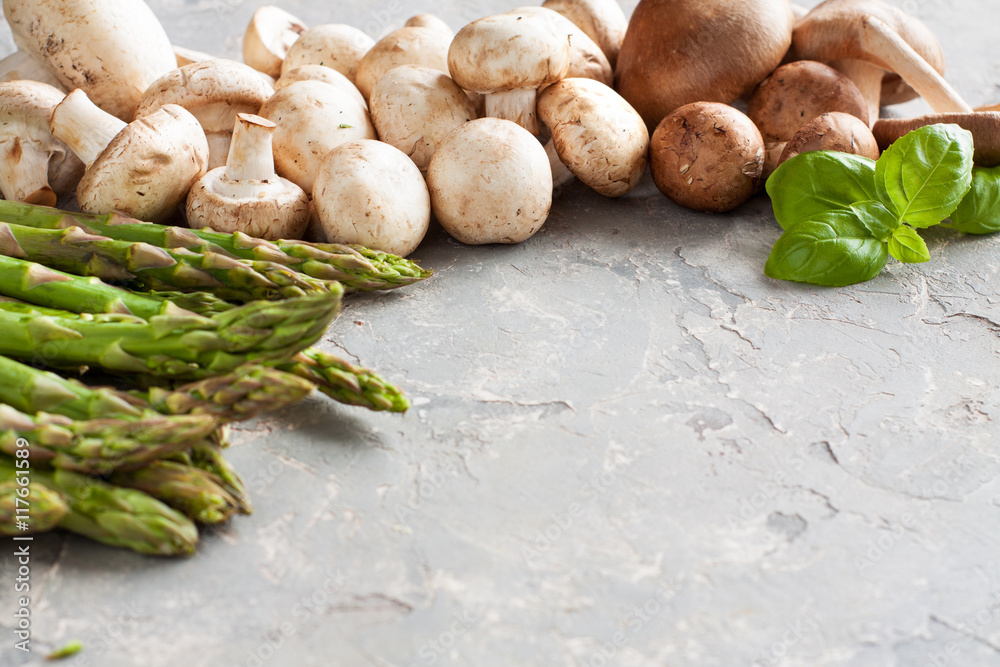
point(627, 447)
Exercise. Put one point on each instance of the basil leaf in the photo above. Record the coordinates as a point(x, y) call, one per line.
point(876, 218)
point(924, 176)
point(830, 248)
point(817, 182)
point(907, 246)
point(979, 212)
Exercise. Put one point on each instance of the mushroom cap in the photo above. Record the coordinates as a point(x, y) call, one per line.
point(677, 52)
point(707, 156)
point(335, 45)
point(984, 126)
point(602, 20)
point(587, 60)
point(406, 46)
point(147, 170)
point(215, 91)
point(268, 37)
point(433, 22)
point(313, 118)
point(831, 31)
point(798, 92)
point(508, 52)
point(896, 91)
point(834, 131)
point(490, 182)
point(27, 144)
point(414, 108)
point(275, 209)
point(597, 134)
point(325, 74)
point(368, 192)
point(112, 49)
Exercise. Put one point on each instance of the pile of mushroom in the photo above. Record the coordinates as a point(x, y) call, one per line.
point(361, 140)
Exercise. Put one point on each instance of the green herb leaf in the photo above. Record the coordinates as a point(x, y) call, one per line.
point(876, 218)
point(820, 181)
point(907, 246)
point(924, 176)
point(831, 248)
point(66, 651)
point(979, 212)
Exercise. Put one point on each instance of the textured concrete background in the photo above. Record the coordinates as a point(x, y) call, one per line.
point(627, 447)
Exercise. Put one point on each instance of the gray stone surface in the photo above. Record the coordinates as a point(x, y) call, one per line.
point(627, 447)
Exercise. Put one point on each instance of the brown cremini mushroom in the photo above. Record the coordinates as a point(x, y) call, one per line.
point(246, 195)
point(707, 156)
point(833, 131)
point(677, 52)
point(795, 94)
point(865, 39)
point(984, 126)
point(144, 169)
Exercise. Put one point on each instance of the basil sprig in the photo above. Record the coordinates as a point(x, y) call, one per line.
point(844, 215)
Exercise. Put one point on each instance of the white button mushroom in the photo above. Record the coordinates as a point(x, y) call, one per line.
point(325, 74)
point(586, 60)
point(143, 169)
point(406, 46)
point(433, 22)
point(313, 118)
point(414, 108)
point(268, 37)
point(490, 182)
point(597, 134)
point(111, 49)
point(29, 153)
point(22, 66)
point(602, 20)
point(215, 92)
point(335, 45)
point(369, 193)
point(246, 195)
point(508, 57)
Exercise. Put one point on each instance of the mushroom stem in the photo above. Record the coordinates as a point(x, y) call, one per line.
point(868, 79)
point(84, 127)
point(561, 175)
point(24, 173)
point(891, 50)
point(250, 154)
point(515, 105)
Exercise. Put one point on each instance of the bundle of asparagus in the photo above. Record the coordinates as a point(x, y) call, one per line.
point(157, 306)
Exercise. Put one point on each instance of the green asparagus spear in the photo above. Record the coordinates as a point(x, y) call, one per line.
point(358, 268)
point(142, 265)
point(113, 515)
point(38, 284)
point(41, 509)
point(100, 446)
point(243, 394)
point(197, 493)
point(207, 455)
point(347, 383)
point(167, 346)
